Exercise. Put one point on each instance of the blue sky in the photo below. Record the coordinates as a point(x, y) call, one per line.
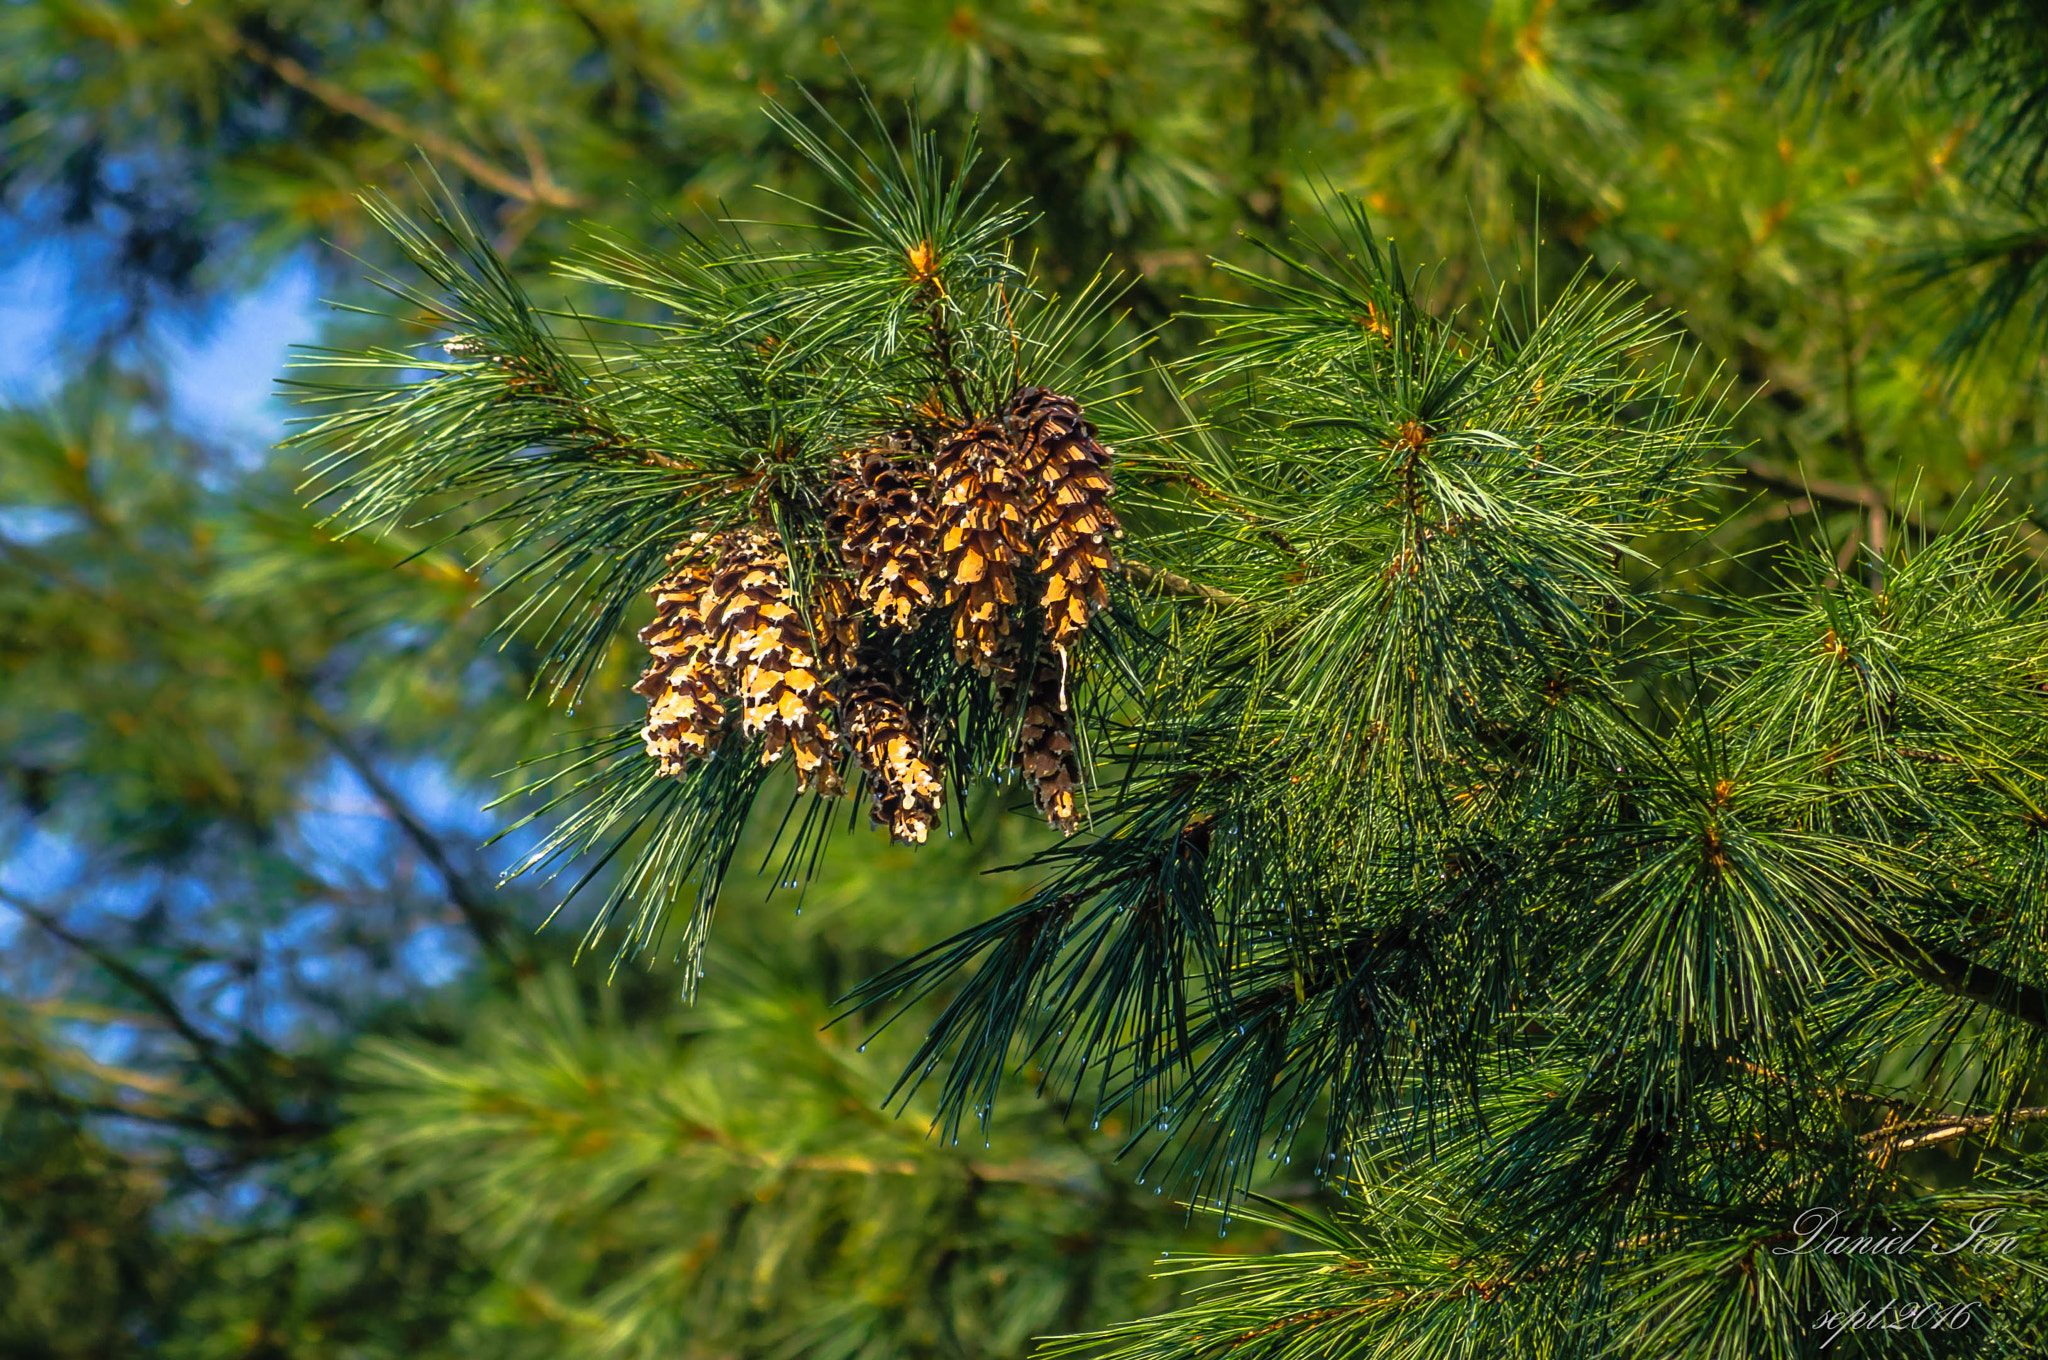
point(221, 367)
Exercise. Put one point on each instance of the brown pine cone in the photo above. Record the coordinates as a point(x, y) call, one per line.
point(1067, 473)
point(906, 792)
point(883, 522)
point(1046, 753)
point(981, 509)
point(762, 646)
point(684, 689)
point(835, 623)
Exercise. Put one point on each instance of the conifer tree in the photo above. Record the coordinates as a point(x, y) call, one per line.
point(1425, 814)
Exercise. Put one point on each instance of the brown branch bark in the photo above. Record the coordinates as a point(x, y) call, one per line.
point(1787, 479)
point(537, 187)
point(1862, 1097)
point(1923, 1133)
point(1867, 498)
point(1964, 978)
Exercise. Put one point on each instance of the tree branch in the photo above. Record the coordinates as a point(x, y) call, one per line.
point(484, 920)
point(1964, 978)
point(537, 187)
point(1797, 482)
point(204, 1048)
point(1924, 1133)
point(1820, 488)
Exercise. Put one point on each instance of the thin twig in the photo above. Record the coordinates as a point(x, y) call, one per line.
point(1906, 1137)
point(1868, 498)
point(1843, 1093)
point(535, 188)
point(1964, 978)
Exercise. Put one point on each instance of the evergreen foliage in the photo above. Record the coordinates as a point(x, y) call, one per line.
point(1561, 760)
point(1446, 837)
point(1990, 62)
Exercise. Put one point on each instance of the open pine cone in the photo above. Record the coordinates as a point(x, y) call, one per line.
point(762, 645)
point(882, 521)
point(1070, 523)
point(1046, 753)
point(905, 791)
point(980, 494)
point(685, 711)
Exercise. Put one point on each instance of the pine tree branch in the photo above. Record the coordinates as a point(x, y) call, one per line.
point(1861, 1097)
point(536, 187)
point(1866, 498)
point(483, 919)
point(1167, 583)
point(1924, 1133)
point(207, 1121)
point(1008, 1173)
point(1820, 488)
point(1964, 978)
point(1032, 1173)
point(259, 1112)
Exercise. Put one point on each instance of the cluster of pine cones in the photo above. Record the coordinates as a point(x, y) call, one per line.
point(998, 505)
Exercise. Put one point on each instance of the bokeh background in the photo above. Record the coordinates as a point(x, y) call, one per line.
point(284, 1070)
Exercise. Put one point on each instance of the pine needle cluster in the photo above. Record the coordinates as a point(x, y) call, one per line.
point(856, 480)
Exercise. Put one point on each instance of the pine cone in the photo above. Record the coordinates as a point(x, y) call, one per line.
point(685, 715)
point(906, 791)
point(1067, 472)
point(1046, 754)
point(981, 510)
point(885, 526)
point(835, 623)
point(762, 646)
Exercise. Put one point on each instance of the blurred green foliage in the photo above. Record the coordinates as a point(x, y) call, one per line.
point(286, 1075)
